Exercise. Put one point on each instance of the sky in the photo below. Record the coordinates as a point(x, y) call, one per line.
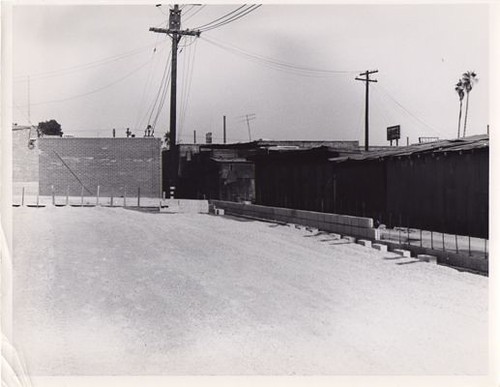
point(292, 67)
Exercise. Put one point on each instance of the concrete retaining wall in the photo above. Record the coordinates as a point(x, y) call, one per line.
point(358, 227)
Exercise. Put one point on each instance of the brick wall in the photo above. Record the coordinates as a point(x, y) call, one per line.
point(114, 164)
point(24, 158)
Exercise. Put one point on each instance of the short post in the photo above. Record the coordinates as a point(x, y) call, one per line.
point(420, 237)
point(138, 196)
point(22, 197)
point(81, 197)
point(469, 246)
point(164, 195)
point(97, 195)
point(456, 243)
point(432, 240)
point(125, 197)
point(67, 195)
point(444, 249)
point(408, 231)
point(112, 197)
point(53, 195)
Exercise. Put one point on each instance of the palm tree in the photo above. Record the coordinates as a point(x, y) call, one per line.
point(459, 88)
point(468, 79)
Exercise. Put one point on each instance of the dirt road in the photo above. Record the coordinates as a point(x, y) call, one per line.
point(100, 291)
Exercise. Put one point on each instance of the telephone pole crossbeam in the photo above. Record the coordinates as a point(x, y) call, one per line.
point(367, 81)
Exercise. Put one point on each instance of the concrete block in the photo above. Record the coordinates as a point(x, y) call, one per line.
point(427, 258)
point(379, 247)
point(402, 252)
point(349, 238)
point(364, 242)
point(219, 211)
point(365, 222)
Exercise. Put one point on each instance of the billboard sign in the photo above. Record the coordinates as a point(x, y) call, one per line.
point(393, 133)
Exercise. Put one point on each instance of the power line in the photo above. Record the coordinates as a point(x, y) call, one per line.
point(160, 89)
point(386, 92)
point(163, 90)
point(93, 91)
point(188, 85)
point(146, 86)
point(86, 66)
point(277, 64)
point(232, 19)
point(194, 13)
point(220, 18)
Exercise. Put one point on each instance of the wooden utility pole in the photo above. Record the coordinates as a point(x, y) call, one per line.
point(367, 81)
point(29, 100)
point(176, 34)
point(174, 31)
point(224, 129)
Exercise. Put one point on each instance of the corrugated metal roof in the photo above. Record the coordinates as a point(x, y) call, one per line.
point(455, 145)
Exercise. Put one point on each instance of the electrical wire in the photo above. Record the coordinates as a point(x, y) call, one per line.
point(146, 86)
point(161, 103)
point(186, 12)
point(150, 111)
point(232, 19)
point(194, 13)
point(93, 91)
point(86, 66)
point(220, 18)
point(186, 57)
point(188, 85)
point(277, 64)
point(409, 113)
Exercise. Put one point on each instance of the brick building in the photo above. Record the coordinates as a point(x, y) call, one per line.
point(115, 165)
point(24, 158)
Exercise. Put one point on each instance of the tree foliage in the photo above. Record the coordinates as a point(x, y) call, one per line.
point(50, 128)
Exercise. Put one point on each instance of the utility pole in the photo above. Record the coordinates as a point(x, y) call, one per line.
point(224, 128)
point(176, 34)
point(29, 100)
point(174, 31)
point(367, 80)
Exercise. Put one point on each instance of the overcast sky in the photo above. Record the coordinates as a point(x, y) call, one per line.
point(94, 68)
